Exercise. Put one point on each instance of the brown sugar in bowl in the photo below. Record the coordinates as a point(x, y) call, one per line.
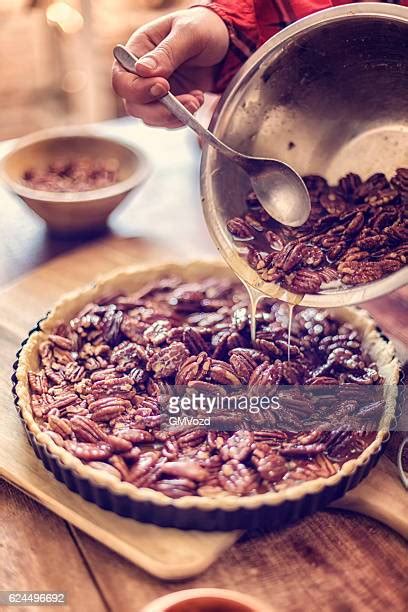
point(73, 212)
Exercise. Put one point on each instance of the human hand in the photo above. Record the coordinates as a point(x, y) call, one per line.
point(177, 52)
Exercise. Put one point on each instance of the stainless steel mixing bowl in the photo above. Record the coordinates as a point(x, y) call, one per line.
point(328, 95)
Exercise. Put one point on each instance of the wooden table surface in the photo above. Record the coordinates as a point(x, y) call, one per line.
point(333, 560)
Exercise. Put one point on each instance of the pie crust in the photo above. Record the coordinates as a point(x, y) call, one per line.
point(130, 279)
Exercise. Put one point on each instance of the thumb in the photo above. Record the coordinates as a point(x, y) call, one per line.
point(175, 49)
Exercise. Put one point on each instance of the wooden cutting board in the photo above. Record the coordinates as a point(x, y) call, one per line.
point(166, 553)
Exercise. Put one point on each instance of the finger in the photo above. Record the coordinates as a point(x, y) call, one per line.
point(136, 89)
point(154, 114)
point(180, 45)
point(157, 114)
point(141, 41)
point(146, 38)
point(198, 94)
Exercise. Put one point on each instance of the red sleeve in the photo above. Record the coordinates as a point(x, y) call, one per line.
point(240, 19)
point(251, 22)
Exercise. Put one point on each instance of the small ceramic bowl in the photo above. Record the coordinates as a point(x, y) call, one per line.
point(207, 600)
point(80, 212)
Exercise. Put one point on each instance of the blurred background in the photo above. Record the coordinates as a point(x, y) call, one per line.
point(57, 56)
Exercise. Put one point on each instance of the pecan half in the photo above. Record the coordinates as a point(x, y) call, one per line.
point(61, 426)
point(271, 466)
point(237, 479)
point(304, 281)
point(127, 355)
point(266, 374)
point(185, 469)
point(348, 185)
point(302, 450)
point(238, 446)
point(274, 240)
point(239, 229)
point(168, 360)
point(333, 203)
point(193, 368)
point(111, 323)
point(146, 469)
point(194, 341)
point(175, 487)
point(107, 408)
point(243, 364)
point(37, 382)
point(86, 430)
point(223, 373)
point(89, 452)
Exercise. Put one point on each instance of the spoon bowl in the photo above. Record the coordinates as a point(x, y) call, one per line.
point(279, 189)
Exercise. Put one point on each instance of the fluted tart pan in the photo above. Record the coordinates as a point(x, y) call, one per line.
point(272, 509)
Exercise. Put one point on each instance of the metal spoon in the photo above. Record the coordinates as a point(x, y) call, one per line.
point(278, 187)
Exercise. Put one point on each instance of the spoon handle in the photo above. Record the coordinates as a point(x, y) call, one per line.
point(128, 60)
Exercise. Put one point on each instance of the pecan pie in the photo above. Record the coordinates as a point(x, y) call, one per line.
point(89, 384)
point(357, 233)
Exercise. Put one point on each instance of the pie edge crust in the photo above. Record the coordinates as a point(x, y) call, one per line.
point(128, 279)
